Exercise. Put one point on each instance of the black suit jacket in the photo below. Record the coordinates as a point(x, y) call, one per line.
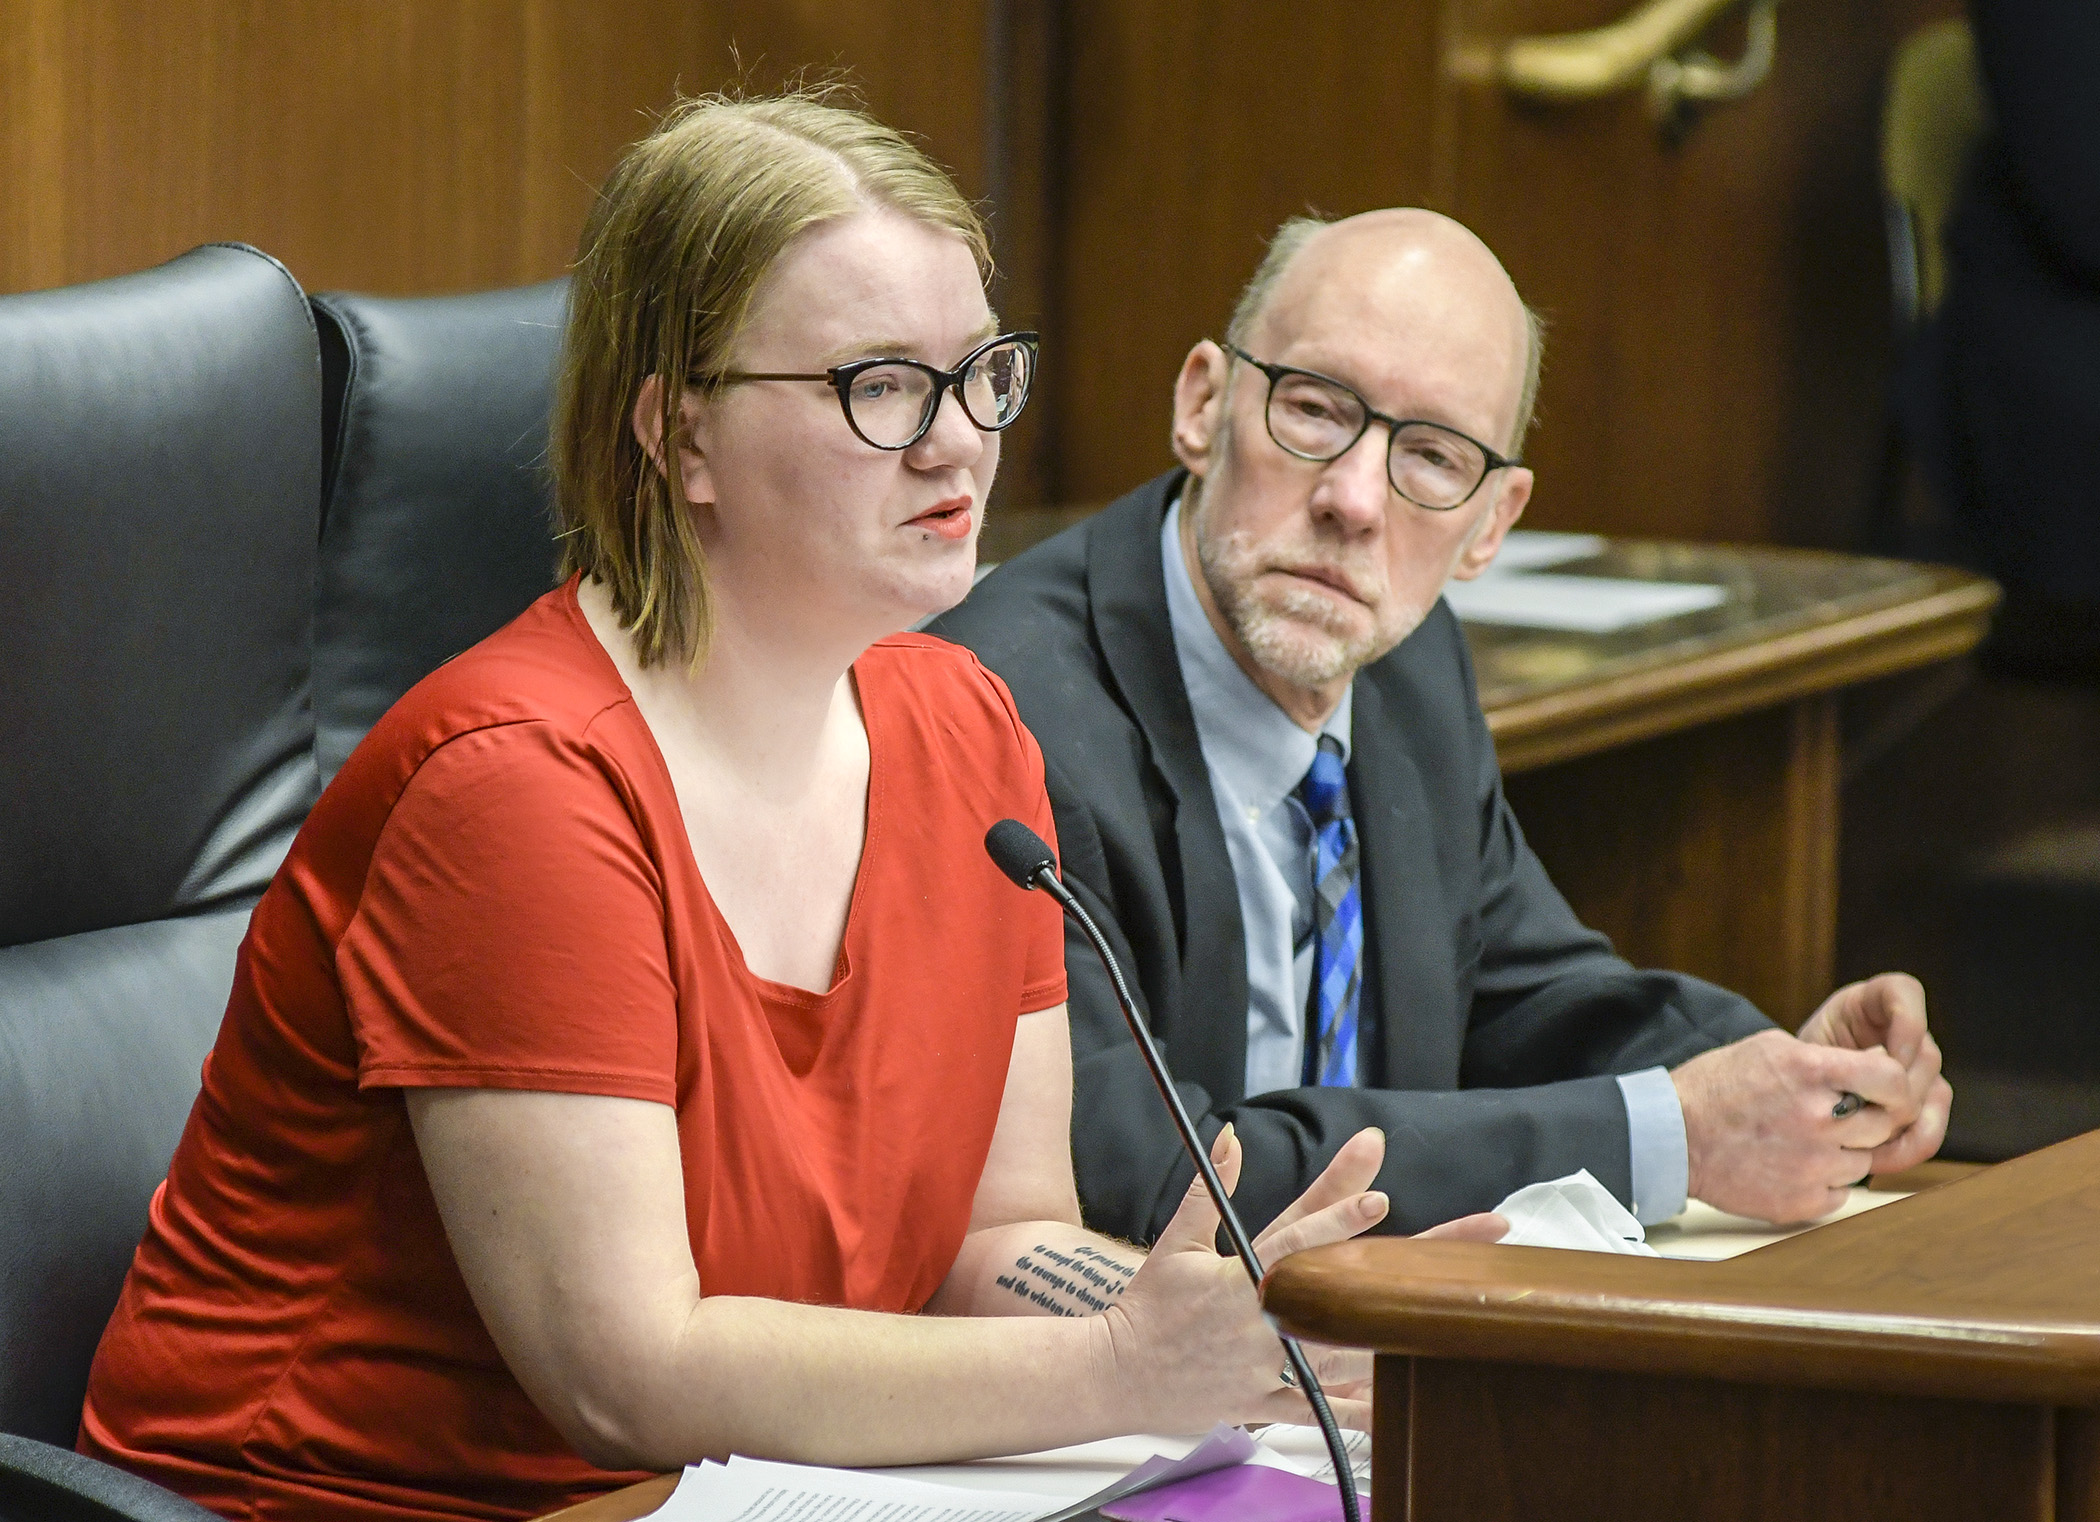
point(1498, 1019)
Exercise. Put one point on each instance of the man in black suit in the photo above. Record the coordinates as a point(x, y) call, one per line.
point(1274, 788)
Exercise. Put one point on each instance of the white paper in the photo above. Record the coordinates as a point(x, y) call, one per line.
point(1083, 1469)
point(1527, 549)
point(1703, 1232)
point(1576, 604)
point(1305, 1450)
point(1065, 1473)
point(753, 1490)
point(1576, 1212)
point(1028, 1487)
point(1224, 1444)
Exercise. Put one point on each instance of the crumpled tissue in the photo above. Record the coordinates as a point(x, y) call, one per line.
point(1576, 1212)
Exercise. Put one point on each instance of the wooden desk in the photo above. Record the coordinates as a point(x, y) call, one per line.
point(1680, 780)
point(1933, 1360)
point(628, 1504)
point(639, 1500)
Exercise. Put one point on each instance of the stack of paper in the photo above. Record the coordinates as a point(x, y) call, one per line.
point(1226, 1477)
point(752, 1490)
point(1510, 591)
point(1305, 1450)
point(1526, 549)
point(1085, 1470)
point(1578, 604)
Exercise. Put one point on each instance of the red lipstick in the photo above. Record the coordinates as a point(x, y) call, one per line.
point(949, 519)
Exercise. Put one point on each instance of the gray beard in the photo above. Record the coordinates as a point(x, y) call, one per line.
point(1297, 637)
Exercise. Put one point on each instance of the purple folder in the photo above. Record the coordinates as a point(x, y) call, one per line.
point(1238, 1493)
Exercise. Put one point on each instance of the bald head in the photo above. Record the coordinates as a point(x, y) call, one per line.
point(1401, 268)
point(1314, 562)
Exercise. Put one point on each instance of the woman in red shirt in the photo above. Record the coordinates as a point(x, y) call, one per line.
point(637, 1040)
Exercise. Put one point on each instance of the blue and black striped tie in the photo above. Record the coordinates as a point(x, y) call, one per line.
point(1338, 922)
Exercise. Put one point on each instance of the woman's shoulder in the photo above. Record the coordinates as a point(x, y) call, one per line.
point(543, 675)
point(929, 659)
point(944, 726)
point(925, 671)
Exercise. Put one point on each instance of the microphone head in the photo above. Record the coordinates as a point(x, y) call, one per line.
point(1018, 852)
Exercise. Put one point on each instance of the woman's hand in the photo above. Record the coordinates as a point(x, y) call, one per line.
point(1337, 1205)
point(1328, 1212)
point(1189, 1336)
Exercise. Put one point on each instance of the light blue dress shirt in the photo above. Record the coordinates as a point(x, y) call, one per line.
point(1256, 755)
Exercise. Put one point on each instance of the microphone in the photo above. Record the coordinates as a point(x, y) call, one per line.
point(1021, 854)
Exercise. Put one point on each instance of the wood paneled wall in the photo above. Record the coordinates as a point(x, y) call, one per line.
point(1718, 350)
point(442, 145)
point(1717, 303)
point(1194, 127)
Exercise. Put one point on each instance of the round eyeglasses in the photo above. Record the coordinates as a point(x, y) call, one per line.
point(1318, 418)
point(890, 403)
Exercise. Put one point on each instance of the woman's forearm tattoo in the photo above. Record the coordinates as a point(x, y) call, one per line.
point(1077, 1281)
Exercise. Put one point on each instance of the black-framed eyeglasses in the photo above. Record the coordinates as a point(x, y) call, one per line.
point(890, 403)
point(1319, 418)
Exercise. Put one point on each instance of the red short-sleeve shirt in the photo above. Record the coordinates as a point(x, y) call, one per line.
point(497, 892)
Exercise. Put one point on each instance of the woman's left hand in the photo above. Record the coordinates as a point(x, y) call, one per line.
point(1335, 1207)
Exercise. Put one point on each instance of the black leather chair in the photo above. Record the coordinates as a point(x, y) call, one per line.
point(438, 528)
point(160, 473)
point(192, 649)
point(40, 1482)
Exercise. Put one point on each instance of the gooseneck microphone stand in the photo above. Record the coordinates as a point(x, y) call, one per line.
point(1021, 854)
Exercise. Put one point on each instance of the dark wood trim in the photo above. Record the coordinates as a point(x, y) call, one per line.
point(1392, 1429)
point(2077, 1466)
point(1809, 818)
point(1494, 1442)
point(1024, 76)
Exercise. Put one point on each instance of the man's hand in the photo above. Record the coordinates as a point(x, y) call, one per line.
point(1759, 1130)
point(1888, 1012)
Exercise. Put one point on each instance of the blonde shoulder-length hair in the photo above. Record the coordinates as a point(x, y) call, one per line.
point(679, 240)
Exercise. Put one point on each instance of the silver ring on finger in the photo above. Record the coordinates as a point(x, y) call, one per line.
point(1289, 1377)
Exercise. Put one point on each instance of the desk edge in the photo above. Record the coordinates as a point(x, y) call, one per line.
point(1588, 717)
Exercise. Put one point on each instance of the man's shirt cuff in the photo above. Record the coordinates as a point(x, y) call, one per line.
point(1655, 1140)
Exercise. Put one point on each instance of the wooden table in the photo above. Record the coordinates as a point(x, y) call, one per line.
point(1680, 780)
point(636, 1501)
point(628, 1504)
point(1936, 1360)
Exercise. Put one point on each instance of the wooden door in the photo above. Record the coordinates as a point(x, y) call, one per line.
point(1716, 302)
